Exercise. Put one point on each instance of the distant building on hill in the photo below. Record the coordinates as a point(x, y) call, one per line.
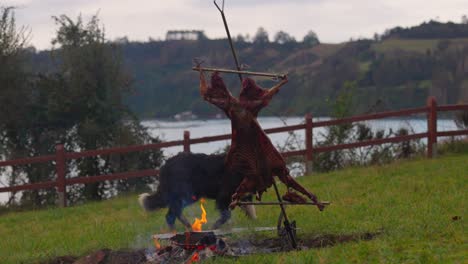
point(185, 35)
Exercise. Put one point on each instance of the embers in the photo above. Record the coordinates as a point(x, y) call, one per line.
point(188, 247)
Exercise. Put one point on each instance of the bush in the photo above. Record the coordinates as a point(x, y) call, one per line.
point(461, 119)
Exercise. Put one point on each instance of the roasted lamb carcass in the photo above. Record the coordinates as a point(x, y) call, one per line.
point(251, 153)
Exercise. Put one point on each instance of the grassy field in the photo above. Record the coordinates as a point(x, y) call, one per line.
point(412, 204)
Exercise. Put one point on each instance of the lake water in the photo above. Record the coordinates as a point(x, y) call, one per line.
point(173, 130)
point(170, 130)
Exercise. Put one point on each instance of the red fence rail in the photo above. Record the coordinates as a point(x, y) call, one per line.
point(61, 156)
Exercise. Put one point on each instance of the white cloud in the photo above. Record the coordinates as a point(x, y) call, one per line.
point(333, 20)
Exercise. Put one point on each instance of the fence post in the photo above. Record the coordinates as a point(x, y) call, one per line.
point(60, 164)
point(309, 143)
point(186, 141)
point(432, 127)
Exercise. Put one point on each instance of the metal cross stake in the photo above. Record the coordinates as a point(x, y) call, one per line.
point(274, 76)
point(288, 227)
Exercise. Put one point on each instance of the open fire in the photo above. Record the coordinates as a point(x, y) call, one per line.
point(188, 247)
point(197, 224)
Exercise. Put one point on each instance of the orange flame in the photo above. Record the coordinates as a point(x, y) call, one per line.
point(195, 258)
point(156, 243)
point(197, 224)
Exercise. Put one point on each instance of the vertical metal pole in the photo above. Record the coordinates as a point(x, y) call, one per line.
point(309, 143)
point(432, 127)
point(287, 225)
point(60, 164)
point(186, 141)
point(221, 10)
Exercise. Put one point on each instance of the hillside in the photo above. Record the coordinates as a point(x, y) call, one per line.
point(384, 71)
point(417, 208)
point(397, 70)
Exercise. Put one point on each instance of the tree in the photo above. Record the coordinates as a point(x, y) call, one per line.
point(464, 19)
point(16, 99)
point(377, 37)
point(240, 38)
point(311, 38)
point(261, 37)
point(78, 103)
point(95, 81)
point(13, 77)
point(282, 37)
point(12, 74)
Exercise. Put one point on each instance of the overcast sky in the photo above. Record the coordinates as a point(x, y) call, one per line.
point(332, 20)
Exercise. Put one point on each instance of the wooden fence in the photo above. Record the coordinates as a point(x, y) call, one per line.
point(61, 156)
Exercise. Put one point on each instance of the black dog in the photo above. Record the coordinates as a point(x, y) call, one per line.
point(187, 177)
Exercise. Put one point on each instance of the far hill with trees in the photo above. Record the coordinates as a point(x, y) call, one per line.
point(396, 69)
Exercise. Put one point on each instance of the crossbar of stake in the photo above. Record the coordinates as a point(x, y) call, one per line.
point(283, 203)
point(264, 74)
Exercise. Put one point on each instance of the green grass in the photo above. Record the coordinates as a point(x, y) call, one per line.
point(412, 202)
